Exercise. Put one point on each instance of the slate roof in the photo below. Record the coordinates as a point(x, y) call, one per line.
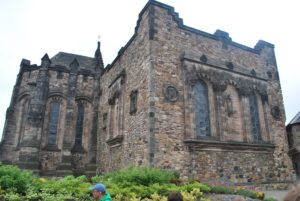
point(64, 59)
point(295, 120)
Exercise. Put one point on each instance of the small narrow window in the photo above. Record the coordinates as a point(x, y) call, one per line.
point(79, 124)
point(85, 78)
point(133, 102)
point(53, 122)
point(60, 75)
point(104, 121)
point(255, 126)
point(23, 115)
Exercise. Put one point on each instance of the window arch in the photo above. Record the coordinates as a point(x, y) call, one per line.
point(201, 104)
point(254, 114)
point(79, 123)
point(53, 122)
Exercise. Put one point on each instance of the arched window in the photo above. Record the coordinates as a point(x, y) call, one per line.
point(255, 126)
point(202, 120)
point(24, 112)
point(79, 124)
point(53, 121)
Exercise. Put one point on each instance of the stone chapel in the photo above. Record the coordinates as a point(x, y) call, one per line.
point(175, 97)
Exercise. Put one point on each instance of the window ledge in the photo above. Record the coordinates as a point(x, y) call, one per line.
point(115, 140)
point(78, 149)
point(51, 147)
point(213, 144)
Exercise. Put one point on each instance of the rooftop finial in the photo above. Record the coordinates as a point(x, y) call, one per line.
point(98, 55)
point(99, 37)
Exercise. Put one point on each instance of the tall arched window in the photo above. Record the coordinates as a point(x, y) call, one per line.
point(79, 124)
point(255, 126)
point(24, 111)
point(202, 119)
point(53, 122)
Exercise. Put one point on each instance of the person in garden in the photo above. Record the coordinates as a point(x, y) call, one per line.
point(175, 196)
point(99, 192)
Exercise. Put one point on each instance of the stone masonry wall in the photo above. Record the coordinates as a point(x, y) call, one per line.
point(50, 85)
point(124, 138)
point(227, 68)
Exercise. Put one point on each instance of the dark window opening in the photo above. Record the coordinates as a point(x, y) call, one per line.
point(201, 104)
point(53, 122)
point(79, 124)
point(133, 101)
point(255, 125)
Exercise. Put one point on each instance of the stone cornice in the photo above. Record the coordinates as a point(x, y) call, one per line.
point(220, 65)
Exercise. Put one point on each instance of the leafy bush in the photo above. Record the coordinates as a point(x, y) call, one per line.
point(222, 190)
point(68, 186)
point(141, 175)
point(196, 185)
point(270, 199)
point(130, 184)
point(12, 196)
point(15, 179)
point(246, 193)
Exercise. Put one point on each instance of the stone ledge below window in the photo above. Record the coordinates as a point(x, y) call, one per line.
point(51, 147)
point(212, 144)
point(78, 148)
point(115, 140)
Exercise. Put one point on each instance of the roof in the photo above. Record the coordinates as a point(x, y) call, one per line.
point(295, 120)
point(65, 59)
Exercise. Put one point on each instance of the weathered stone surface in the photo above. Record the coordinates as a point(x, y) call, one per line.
point(26, 134)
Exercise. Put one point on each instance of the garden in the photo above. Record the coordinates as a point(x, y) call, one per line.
point(130, 184)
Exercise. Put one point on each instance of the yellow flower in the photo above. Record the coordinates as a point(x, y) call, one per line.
point(260, 195)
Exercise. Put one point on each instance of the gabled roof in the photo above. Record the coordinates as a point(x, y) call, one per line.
point(295, 120)
point(65, 59)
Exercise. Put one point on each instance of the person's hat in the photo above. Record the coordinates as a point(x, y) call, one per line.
point(98, 187)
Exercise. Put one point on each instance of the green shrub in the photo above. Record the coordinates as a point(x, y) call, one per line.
point(97, 179)
point(247, 193)
point(69, 186)
point(196, 185)
point(12, 196)
point(14, 179)
point(141, 175)
point(222, 190)
point(270, 199)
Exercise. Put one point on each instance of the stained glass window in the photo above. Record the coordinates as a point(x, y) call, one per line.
point(202, 119)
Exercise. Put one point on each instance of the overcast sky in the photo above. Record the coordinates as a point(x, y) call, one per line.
point(31, 28)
